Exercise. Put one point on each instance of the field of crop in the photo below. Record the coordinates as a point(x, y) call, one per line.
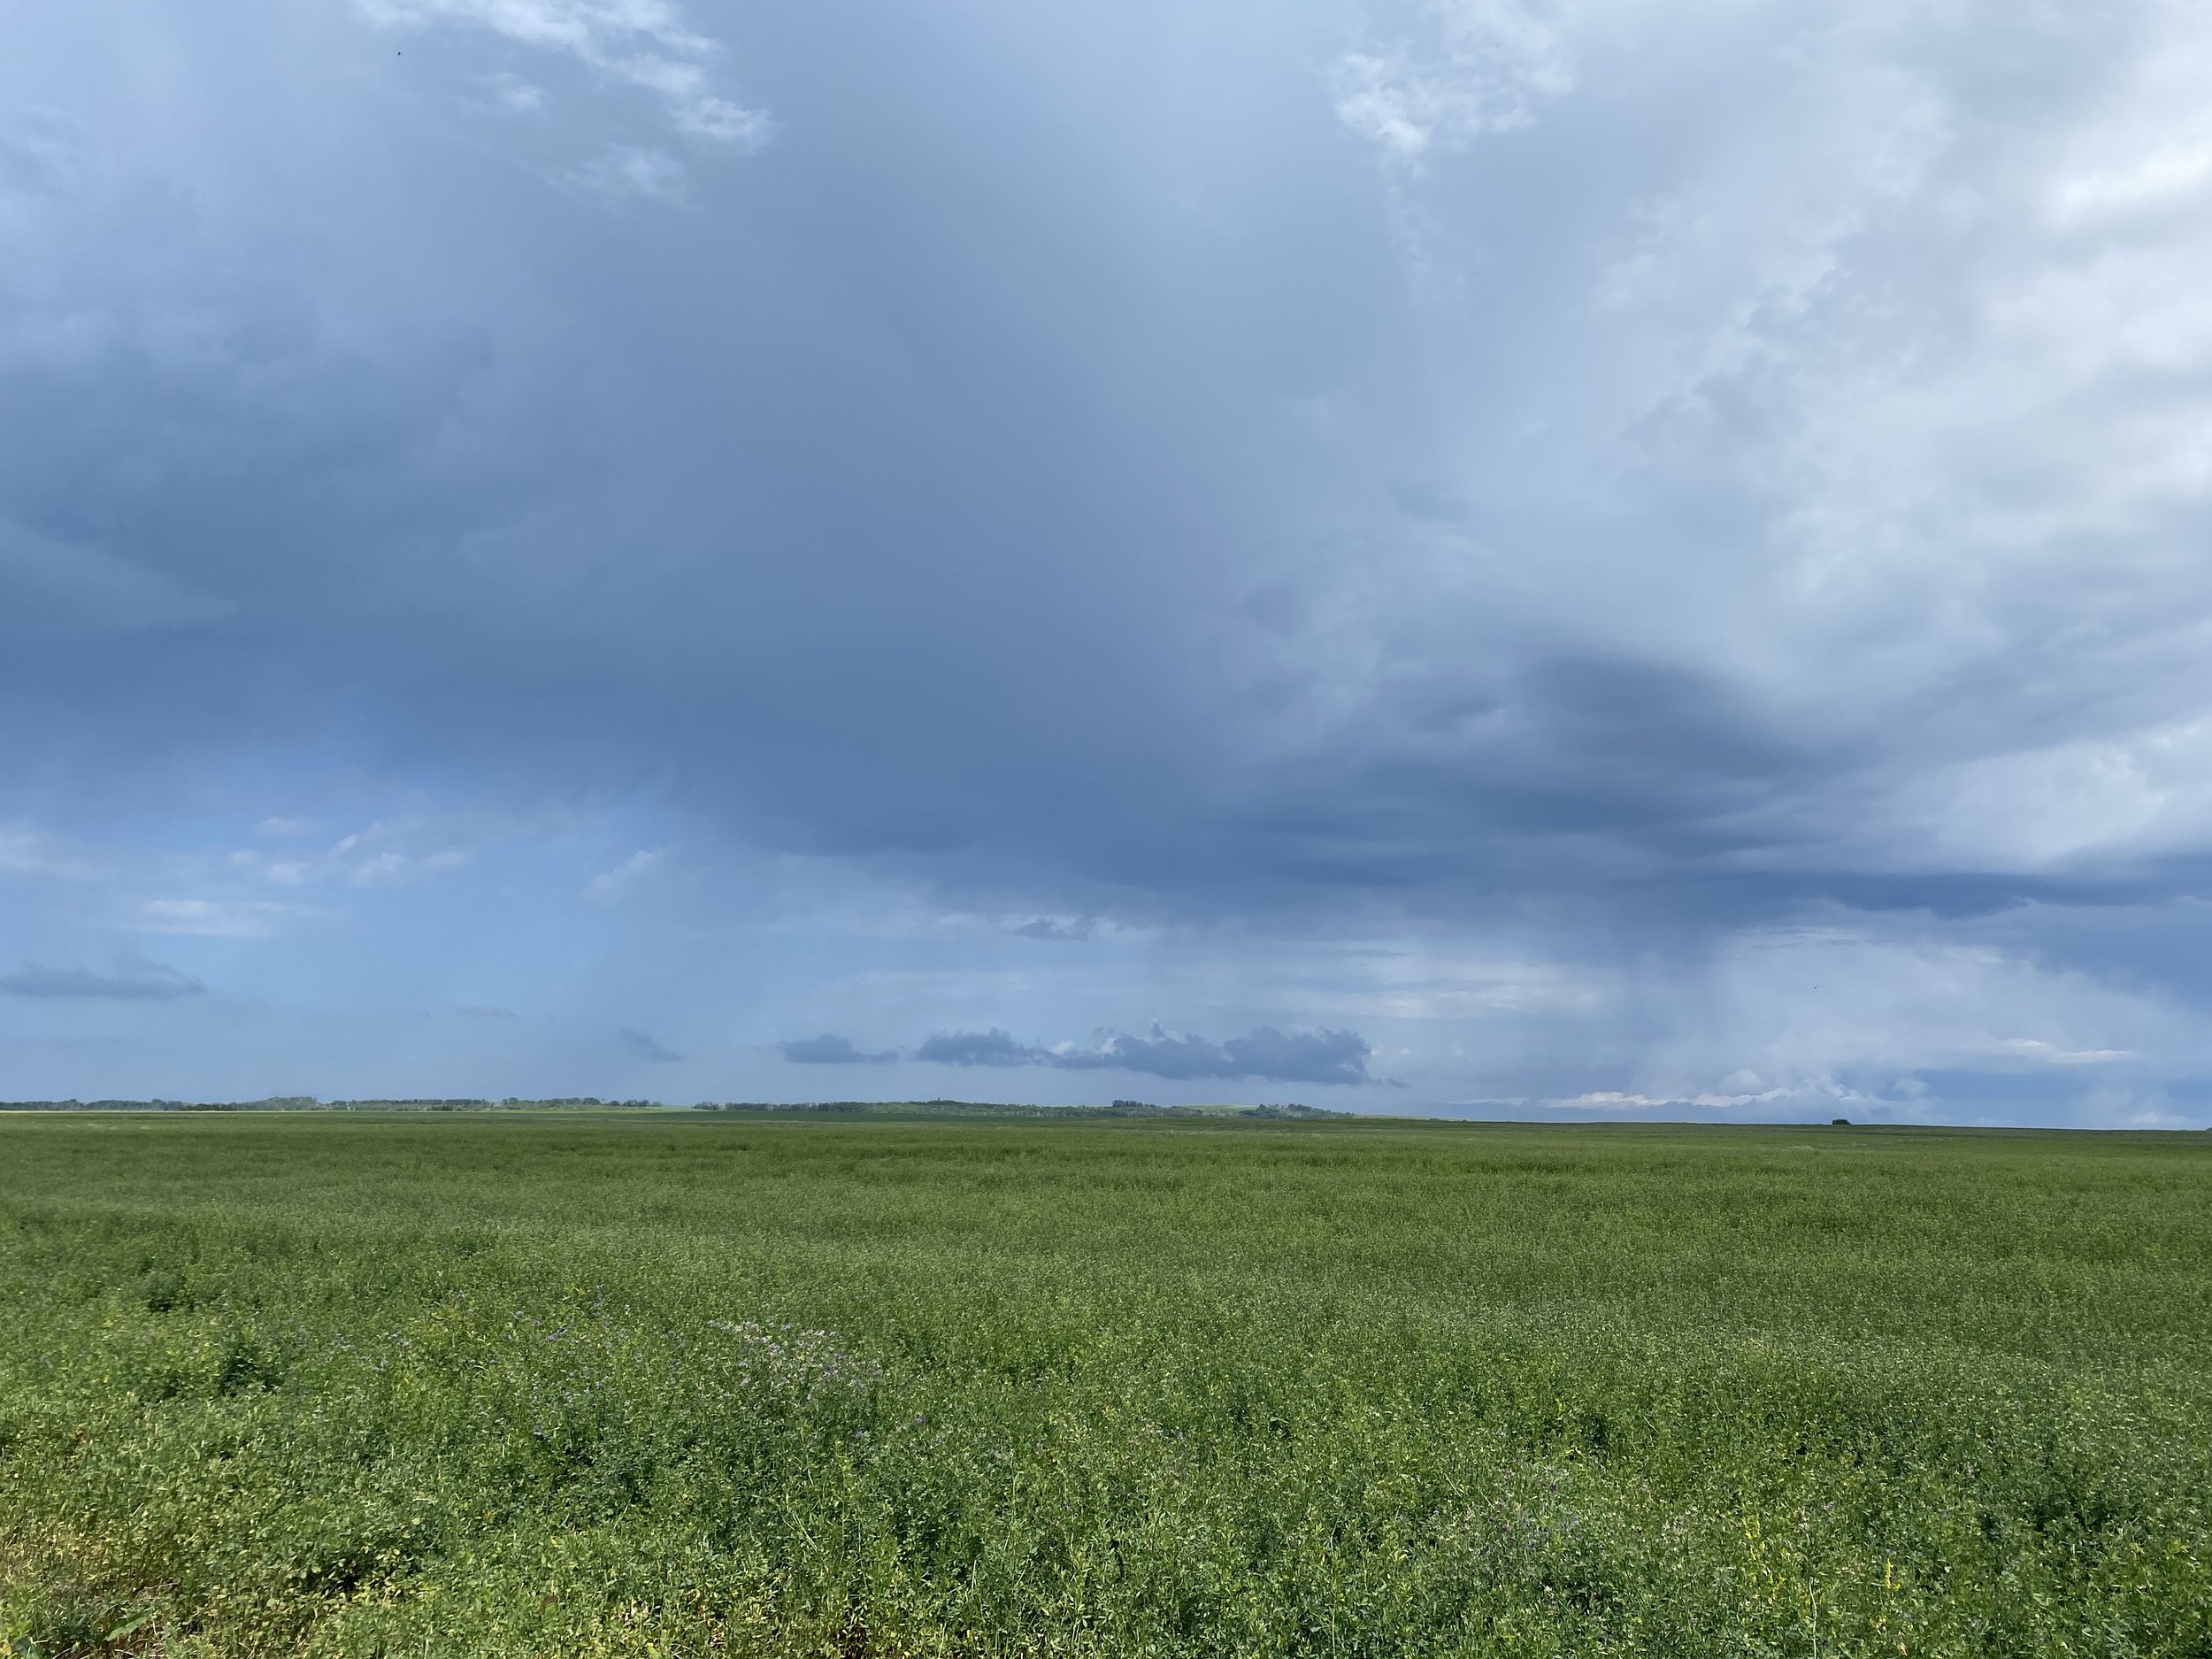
point(704, 1384)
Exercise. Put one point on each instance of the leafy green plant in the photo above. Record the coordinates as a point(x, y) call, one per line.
point(718, 1383)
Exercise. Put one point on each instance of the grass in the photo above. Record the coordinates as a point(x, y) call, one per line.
point(683, 1385)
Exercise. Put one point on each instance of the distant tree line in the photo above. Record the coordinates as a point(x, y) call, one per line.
point(985, 1108)
point(310, 1104)
point(592, 1103)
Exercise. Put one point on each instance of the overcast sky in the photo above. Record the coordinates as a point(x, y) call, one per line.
point(1487, 555)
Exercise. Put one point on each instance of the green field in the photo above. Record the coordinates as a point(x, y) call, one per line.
point(685, 1384)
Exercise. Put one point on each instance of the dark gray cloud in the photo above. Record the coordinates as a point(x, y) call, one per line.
point(830, 1050)
point(1057, 931)
point(977, 1048)
point(1510, 691)
point(1267, 1054)
point(1295, 1056)
point(135, 979)
point(1069, 465)
point(646, 1047)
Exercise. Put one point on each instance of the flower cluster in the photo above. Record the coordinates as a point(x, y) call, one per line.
point(792, 1357)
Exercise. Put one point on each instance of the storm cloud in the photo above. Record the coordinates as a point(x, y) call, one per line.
point(977, 1048)
point(646, 1047)
point(828, 1050)
point(1624, 553)
point(1296, 1057)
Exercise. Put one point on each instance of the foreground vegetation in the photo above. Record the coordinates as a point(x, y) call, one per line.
point(716, 1383)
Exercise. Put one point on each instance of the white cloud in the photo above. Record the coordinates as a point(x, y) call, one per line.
point(1895, 397)
point(515, 93)
point(1419, 984)
point(24, 851)
point(630, 171)
point(2050, 1053)
point(1618, 1099)
point(644, 44)
point(216, 919)
point(1464, 68)
point(611, 886)
point(2130, 795)
point(398, 852)
point(1803, 1014)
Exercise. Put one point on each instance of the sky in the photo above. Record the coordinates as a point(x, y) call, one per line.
point(1511, 557)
